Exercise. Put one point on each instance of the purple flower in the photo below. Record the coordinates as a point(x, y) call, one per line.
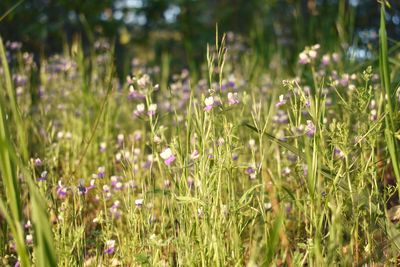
point(152, 110)
point(282, 101)
point(103, 147)
point(43, 176)
point(101, 172)
point(110, 247)
point(139, 202)
point(114, 210)
point(209, 102)
point(139, 110)
point(190, 182)
point(310, 129)
point(28, 225)
point(326, 59)
point(233, 98)
point(167, 156)
point(38, 162)
point(303, 58)
point(61, 190)
point(251, 172)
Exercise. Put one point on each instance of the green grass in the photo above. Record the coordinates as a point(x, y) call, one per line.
point(310, 181)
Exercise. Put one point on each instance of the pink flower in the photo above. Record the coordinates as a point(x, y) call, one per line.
point(281, 102)
point(209, 102)
point(167, 156)
point(233, 98)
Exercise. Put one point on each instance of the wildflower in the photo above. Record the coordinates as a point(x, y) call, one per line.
point(195, 154)
point(106, 188)
point(190, 182)
point(82, 189)
point(139, 202)
point(61, 190)
point(43, 176)
point(335, 57)
point(338, 153)
point(267, 206)
point(101, 172)
point(110, 247)
point(133, 94)
point(209, 102)
point(29, 239)
point(312, 54)
point(167, 156)
point(91, 185)
point(157, 139)
point(235, 156)
point(143, 81)
point(325, 59)
point(137, 135)
point(103, 147)
point(220, 141)
point(38, 162)
point(251, 172)
point(120, 139)
point(28, 224)
point(139, 110)
point(114, 210)
point(167, 183)
point(152, 110)
point(303, 58)
point(60, 135)
point(233, 98)
point(310, 129)
point(252, 143)
point(68, 135)
point(281, 102)
point(286, 171)
point(373, 115)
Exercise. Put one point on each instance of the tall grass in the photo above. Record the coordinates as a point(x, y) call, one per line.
point(229, 166)
point(14, 159)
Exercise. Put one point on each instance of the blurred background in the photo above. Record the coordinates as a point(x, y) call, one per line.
point(149, 29)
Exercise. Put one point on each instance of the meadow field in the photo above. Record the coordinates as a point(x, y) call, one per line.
point(236, 163)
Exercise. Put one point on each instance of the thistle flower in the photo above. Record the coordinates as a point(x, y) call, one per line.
point(110, 247)
point(167, 156)
point(209, 102)
point(282, 101)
